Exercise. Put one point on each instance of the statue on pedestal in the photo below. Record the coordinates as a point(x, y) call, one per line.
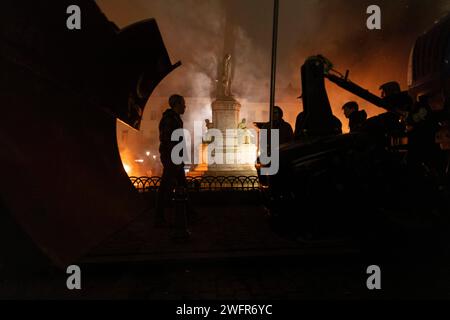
point(225, 84)
point(244, 133)
point(207, 137)
point(243, 124)
point(209, 124)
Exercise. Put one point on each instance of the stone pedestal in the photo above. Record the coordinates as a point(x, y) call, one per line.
point(238, 155)
point(226, 116)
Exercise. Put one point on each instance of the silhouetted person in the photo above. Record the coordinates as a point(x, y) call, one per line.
point(387, 124)
point(173, 174)
point(388, 127)
point(286, 133)
point(398, 100)
point(356, 117)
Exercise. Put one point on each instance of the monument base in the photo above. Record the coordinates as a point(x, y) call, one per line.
point(239, 161)
point(224, 171)
point(232, 158)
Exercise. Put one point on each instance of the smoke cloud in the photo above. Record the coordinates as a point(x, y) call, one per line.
point(193, 31)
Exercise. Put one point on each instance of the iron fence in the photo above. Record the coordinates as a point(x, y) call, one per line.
point(202, 183)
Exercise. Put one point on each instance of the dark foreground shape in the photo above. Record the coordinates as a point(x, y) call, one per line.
point(388, 196)
point(61, 93)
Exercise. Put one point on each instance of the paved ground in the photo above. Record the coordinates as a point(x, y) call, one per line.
point(277, 279)
point(224, 231)
point(232, 254)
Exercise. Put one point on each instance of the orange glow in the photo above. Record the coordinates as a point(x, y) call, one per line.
point(127, 168)
point(128, 163)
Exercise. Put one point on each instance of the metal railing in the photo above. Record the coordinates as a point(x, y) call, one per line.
point(202, 183)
